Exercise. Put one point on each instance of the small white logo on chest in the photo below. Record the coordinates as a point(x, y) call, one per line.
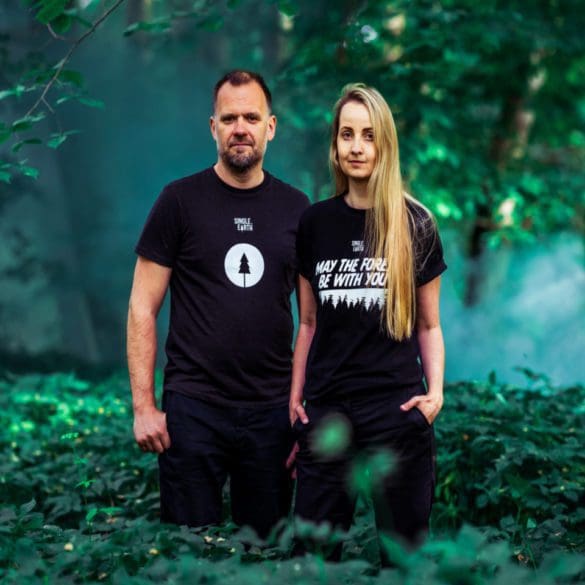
point(357, 245)
point(244, 224)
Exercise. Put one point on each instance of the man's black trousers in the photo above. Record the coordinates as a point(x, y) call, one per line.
point(210, 442)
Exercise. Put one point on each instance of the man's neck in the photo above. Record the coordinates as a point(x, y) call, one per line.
point(248, 180)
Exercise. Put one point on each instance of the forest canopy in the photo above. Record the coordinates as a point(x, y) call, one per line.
point(489, 97)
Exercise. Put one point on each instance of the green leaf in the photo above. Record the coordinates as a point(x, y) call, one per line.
point(17, 91)
point(211, 23)
point(26, 508)
point(91, 103)
point(69, 436)
point(77, 18)
point(62, 23)
point(73, 77)
point(29, 171)
point(16, 147)
point(287, 7)
point(159, 25)
point(332, 436)
point(111, 510)
point(64, 99)
point(369, 471)
point(55, 141)
point(91, 514)
point(50, 9)
point(26, 123)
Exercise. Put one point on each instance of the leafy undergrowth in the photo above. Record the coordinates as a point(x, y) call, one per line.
point(79, 501)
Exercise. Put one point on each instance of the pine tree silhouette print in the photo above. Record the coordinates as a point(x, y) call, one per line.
point(244, 267)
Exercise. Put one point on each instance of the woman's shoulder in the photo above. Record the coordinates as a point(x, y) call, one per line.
point(320, 210)
point(417, 210)
point(422, 219)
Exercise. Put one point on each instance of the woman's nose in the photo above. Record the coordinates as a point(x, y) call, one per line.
point(356, 145)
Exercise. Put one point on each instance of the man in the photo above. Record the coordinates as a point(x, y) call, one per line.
point(224, 241)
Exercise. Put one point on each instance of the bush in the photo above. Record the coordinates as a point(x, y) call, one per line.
point(80, 501)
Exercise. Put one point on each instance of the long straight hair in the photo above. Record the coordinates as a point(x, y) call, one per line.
point(389, 224)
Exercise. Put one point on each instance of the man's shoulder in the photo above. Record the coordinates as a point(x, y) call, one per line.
point(189, 182)
point(288, 191)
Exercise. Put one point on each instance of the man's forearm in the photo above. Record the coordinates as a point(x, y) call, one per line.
point(141, 348)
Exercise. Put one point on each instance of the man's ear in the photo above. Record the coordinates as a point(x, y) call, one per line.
point(212, 127)
point(271, 127)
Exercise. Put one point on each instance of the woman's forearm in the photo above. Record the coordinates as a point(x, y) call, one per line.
point(432, 352)
point(301, 353)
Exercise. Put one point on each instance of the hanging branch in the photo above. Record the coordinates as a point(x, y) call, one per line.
point(67, 57)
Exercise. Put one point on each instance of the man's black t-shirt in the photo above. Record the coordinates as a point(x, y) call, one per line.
point(232, 252)
point(350, 353)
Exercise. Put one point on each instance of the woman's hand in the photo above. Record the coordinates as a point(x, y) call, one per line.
point(432, 350)
point(296, 410)
point(429, 404)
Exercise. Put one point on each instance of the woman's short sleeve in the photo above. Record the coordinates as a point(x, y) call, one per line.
point(429, 261)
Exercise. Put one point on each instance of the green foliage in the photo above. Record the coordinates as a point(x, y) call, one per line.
point(49, 10)
point(80, 500)
point(34, 86)
point(519, 455)
point(486, 101)
point(202, 14)
point(332, 437)
point(488, 98)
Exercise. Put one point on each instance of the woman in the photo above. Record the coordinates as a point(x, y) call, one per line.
point(370, 262)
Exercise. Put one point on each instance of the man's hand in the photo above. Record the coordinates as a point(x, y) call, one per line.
point(295, 410)
point(429, 404)
point(150, 430)
point(290, 462)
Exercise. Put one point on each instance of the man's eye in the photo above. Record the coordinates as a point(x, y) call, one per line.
point(228, 119)
point(252, 118)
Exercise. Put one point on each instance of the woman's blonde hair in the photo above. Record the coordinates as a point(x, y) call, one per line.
point(390, 226)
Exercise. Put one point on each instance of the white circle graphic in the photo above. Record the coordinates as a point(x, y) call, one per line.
point(244, 265)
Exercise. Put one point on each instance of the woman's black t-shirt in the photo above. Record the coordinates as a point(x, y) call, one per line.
point(350, 352)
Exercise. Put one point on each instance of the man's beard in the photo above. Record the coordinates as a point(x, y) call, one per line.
point(241, 162)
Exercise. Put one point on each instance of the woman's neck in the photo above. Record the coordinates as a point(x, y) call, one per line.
point(357, 195)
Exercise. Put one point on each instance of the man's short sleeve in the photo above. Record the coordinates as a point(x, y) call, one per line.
point(304, 256)
point(161, 236)
point(428, 250)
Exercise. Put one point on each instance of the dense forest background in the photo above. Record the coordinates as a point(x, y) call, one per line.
point(103, 102)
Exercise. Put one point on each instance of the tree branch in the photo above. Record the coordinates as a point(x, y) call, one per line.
point(67, 57)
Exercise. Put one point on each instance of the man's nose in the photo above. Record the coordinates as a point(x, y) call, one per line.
point(240, 127)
